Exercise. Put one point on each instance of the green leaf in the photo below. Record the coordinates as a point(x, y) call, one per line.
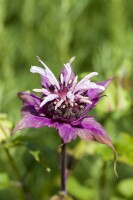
point(4, 181)
point(39, 157)
point(125, 187)
point(5, 127)
point(123, 98)
point(124, 148)
point(35, 154)
point(79, 191)
point(82, 148)
point(117, 198)
point(108, 103)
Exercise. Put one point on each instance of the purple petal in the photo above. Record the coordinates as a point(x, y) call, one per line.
point(94, 103)
point(93, 93)
point(105, 83)
point(67, 132)
point(31, 103)
point(29, 99)
point(96, 130)
point(33, 121)
point(93, 131)
point(45, 82)
point(78, 121)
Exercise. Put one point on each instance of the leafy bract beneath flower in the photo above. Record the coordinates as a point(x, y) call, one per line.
point(64, 104)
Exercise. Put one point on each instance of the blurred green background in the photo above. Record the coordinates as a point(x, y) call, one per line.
point(100, 34)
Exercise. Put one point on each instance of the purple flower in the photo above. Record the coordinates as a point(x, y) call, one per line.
point(64, 105)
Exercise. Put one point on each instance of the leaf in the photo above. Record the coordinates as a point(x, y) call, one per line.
point(117, 198)
point(108, 103)
point(5, 127)
point(79, 191)
point(35, 154)
point(82, 148)
point(39, 157)
point(118, 99)
point(124, 147)
point(125, 187)
point(4, 181)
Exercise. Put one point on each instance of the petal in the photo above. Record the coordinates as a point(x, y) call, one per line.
point(48, 98)
point(87, 77)
point(39, 70)
point(32, 121)
point(105, 83)
point(92, 130)
point(49, 72)
point(67, 132)
point(74, 83)
point(29, 109)
point(85, 81)
point(47, 79)
point(29, 99)
point(93, 104)
point(59, 104)
point(78, 121)
point(87, 86)
point(44, 91)
point(36, 69)
point(70, 96)
point(93, 93)
point(67, 74)
point(31, 103)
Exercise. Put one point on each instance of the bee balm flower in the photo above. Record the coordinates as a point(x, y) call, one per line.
point(64, 104)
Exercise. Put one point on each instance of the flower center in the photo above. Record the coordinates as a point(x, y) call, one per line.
point(65, 112)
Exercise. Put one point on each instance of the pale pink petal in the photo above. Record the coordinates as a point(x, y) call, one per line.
point(39, 70)
point(67, 73)
point(86, 86)
point(59, 104)
point(70, 96)
point(87, 77)
point(50, 73)
point(61, 78)
point(48, 98)
point(74, 83)
point(44, 91)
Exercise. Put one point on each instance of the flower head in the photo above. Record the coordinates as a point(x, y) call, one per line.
point(64, 104)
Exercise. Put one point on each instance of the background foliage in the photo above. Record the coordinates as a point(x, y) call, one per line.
point(100, 35)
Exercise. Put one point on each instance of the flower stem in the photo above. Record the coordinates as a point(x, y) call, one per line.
point(63, 168)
